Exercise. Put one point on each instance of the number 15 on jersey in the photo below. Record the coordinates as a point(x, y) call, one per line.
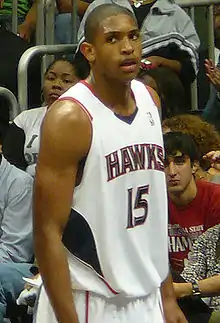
point(140, 202)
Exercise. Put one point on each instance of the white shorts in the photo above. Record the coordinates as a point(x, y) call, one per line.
point(92, 308)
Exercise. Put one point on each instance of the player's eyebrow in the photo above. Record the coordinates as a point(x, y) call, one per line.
point(115, 31)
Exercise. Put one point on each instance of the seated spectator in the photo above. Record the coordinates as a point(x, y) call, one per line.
point(168, 86)
point(193, 205)
point(202, 270)
point(11, 284)
point(214, 159)
point(169, 36)
point(16, 214)
point(26, 14)
point(21, 144)
point(16, 241)
point(204, 135)
point(212, 110)
point(12, 48)
point(63, 19)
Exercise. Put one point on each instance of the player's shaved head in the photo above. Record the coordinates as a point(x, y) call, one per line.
point(99, 14)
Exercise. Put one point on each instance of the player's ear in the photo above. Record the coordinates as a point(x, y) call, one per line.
point(88, 52)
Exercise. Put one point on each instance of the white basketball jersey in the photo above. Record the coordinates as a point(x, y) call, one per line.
point(122, 198)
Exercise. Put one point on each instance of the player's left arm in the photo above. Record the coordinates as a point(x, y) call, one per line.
point(155, 97)
point(172, 312)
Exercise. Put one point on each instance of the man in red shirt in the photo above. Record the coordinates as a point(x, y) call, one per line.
point(194, 206)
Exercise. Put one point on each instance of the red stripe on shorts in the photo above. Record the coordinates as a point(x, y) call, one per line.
point(87, 307)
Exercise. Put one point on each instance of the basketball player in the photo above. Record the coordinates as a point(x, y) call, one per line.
point(101, 155)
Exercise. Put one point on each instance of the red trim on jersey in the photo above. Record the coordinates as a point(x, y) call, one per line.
point(87, 307)
point(89, 86)
point(107, 284)
point(99, 276)
point(79, 103)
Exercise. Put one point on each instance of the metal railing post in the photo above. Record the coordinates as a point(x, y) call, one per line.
point(74, 21)
point(199, 3)
point(194, 86)
point(13, 103)
point(49, 34)
point(195, 3)
point(40, 39)
point(49, 22)
point(15, 16)
point(211, 38)
point(24, 63)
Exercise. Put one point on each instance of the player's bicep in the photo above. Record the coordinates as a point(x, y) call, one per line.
point(65, 139)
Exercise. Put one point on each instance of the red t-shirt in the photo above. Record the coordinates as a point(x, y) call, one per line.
point(188, 222)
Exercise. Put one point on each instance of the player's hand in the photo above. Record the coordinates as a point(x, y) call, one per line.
point(172, 312)
point(25, 31)
point(214, 158)
point(213, 73)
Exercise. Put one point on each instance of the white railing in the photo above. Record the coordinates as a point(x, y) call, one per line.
point(45, 36)
point(25, 59)
point(13, 103)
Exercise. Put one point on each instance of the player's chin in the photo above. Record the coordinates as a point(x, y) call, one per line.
point(127, 77)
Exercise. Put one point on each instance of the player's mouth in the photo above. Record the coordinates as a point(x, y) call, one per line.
point(173, 182)
point(129, 65)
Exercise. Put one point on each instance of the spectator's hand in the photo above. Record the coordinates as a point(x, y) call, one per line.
point(28, 286)
point(25, 31)
point(182, 289)
point(156, 60)
point(213, 73)
point(209, 65)
point(214, 158)
point(172, 312)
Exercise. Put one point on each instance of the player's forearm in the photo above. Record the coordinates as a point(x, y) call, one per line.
point(167, 290)
point(54, 270)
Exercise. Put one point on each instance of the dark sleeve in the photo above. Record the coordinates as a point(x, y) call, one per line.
point(187, 73)
point(13, 146)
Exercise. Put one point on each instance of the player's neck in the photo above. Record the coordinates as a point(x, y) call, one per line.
point(115, 95)
point(185, 197)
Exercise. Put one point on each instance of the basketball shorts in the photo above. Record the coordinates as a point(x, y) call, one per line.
point(92, 308)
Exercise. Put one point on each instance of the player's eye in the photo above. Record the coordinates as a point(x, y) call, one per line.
point(111, 40)
point(135, 35)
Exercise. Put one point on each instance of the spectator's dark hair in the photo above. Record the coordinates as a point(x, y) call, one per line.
point(98, 14)
point(170, 90)
point(180, 142)
point(204, 134)
point(82, 65)
point(77, 68)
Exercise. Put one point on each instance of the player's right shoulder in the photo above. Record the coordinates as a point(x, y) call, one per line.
point(68, 112)
point(66, 129)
